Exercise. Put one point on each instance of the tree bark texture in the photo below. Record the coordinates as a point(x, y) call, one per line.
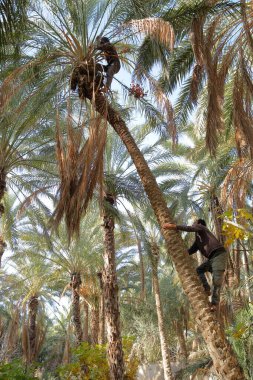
point(112, 314)
point(94, 323)
point(183, 354)
point(101, 333)
point(86, 322)
point(142, 270)
point(159, 310)
point(224, 359)
point(32, 330)
point(75, 284)
point(2, 191)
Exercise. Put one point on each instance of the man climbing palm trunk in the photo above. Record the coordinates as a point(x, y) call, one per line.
point(213, 250)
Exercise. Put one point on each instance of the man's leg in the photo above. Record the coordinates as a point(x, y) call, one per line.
point(218, 267)
point(201, 270)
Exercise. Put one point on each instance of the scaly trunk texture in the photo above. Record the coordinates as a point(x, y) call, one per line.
point(101, 333)
point(245, 262)
point(112, 314)
point(159, 310)
point(2, 249)
point(75, 285)
point(183, 354)
point(33, 310)
point(86, 322)
point(94, 324)
point(224, 359)
point(142, 270)
point(2, 191)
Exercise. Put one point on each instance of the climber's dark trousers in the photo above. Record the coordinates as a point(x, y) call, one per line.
point(110, 70)
point(216, 265)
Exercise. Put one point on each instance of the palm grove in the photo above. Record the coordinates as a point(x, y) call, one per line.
point(88, 178)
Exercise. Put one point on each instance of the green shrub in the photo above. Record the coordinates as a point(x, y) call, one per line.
point(90, 363)
point(16, 370)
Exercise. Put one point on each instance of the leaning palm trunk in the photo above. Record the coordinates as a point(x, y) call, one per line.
point(75, 284)
point(32, 330)
point(159, 310)
point(224, 359)
point(110, 290)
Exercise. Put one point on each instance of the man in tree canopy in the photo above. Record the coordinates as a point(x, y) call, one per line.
point(112, 58)
point(213, 250)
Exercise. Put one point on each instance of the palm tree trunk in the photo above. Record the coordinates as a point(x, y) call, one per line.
point(142, 270)
point(2, 191)
point(94, 323)
point(224, 359)
point(110, 289)
point(181, 340)
point(75, 284)
point(101, 333)
point(2, 249)
point(245, 262)
point(86, 322)
point(159, 310)
point(33, 310)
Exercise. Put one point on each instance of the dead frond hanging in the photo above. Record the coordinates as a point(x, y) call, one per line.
point(236, 184)
point(12, 334)
point(242, 116)
point(195, 81)
point(81, 170)
point(156, 28)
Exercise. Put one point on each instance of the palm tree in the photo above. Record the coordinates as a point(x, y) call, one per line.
point(22, 150)
point(150, 239)
point(79, 260)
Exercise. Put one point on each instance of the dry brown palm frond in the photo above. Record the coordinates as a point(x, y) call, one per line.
point(236, 184)
point(247, 18)
point(246, 76)
point(156, 28)
point(242, 113)
point(11, 335)
point(214, 121)
point(40, 337)
point(81, 170)
point(25, 341)
point(195, 81)
point(197, 39)
point(90, 288)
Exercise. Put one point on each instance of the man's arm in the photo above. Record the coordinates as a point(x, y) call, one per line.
point(170, 226)
point(196, 228)
point(193, 248)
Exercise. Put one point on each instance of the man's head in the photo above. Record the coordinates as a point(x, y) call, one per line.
point(104, 40)
point(201, 221)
